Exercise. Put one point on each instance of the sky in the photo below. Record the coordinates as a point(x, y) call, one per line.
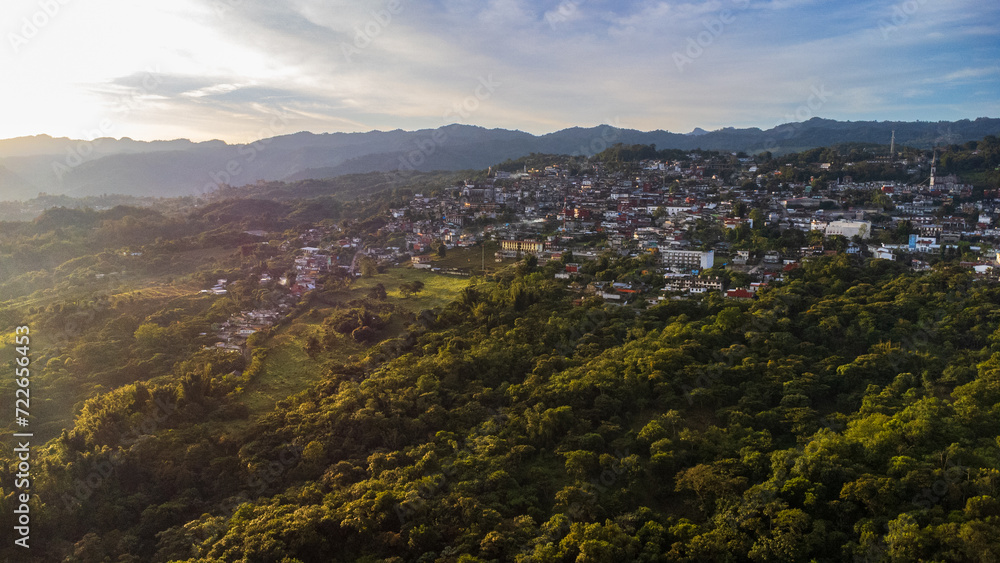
point(241, 70)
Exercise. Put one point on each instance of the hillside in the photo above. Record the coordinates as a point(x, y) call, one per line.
point(847, 413)
point(843, 415)
point(282, 373)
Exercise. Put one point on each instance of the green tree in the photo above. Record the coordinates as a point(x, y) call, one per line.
point(411, 288)
point(367, 266)
point(378, 292)
point(313, 347)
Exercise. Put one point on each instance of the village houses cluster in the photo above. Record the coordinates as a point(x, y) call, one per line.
point(660, 208)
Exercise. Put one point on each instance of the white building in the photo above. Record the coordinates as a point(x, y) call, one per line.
point(883, 253)
point(849, 229)
point(676, 209)
point(694, 259)
point(693, 285)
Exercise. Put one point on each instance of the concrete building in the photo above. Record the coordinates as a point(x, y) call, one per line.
point(693, 259)
point(849, 229)
point(523, 246)
point(693, 285)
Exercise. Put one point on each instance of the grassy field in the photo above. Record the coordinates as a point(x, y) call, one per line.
point(158, 291)
point(289, 370)
point(439, 289)
point(468, 258)
point(471, 259)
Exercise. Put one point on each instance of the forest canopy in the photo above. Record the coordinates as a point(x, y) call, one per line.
point(847, 414)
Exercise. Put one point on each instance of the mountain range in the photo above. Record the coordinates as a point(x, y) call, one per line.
point(43, 164)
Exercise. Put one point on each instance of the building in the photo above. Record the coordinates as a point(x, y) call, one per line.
point(693, 259)
point(931, 230)
point(849, 229)
point(884, 253)
point(739, 293)
point(801, 202)
point(523, 246)
point(694, 284)
point(676, 209)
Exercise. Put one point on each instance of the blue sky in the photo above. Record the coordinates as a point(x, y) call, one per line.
point(239, 70)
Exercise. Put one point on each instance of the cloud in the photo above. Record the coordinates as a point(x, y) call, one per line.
point(222, 67)
point(967, 73)
point(505, 13)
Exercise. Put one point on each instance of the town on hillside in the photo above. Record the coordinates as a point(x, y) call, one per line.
point(708, 222)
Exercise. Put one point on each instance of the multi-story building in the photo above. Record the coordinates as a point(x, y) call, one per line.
point(523, 246)
point(694, 284)
point(693, 259)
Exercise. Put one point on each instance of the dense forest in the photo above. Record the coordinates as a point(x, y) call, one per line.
point(847, 414)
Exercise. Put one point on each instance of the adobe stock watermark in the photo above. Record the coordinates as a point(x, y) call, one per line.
point(695, 45)
point(723, 361)
point(595, 319)
point(248, 153)
point(818, 97)
point(901, 14)
point(460, 110)
point(32, 25)
point(566, 10)
point(578, 511)
point(365, 35)
point(608, 137)
point(470, 104)
point(73, 319)
point(223, 7)
point(872, 546)
point(123, 107)
point(954, 474)
point(423, 492)
point(103, 469)
point(288, 458)
point(946, 136)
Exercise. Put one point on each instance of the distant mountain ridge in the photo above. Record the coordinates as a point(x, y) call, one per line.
point(30, 165)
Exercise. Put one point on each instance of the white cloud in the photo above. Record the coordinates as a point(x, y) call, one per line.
point(967, 73)
point(222, 73)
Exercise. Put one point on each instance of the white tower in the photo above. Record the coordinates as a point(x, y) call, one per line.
point(892, 146)
point(933, 167)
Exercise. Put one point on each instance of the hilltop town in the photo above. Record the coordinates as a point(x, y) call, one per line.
point(705, 221)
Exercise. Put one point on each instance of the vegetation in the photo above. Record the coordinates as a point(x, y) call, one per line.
point(846, 413)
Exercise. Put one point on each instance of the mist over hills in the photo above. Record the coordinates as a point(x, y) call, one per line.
point(31, 165)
